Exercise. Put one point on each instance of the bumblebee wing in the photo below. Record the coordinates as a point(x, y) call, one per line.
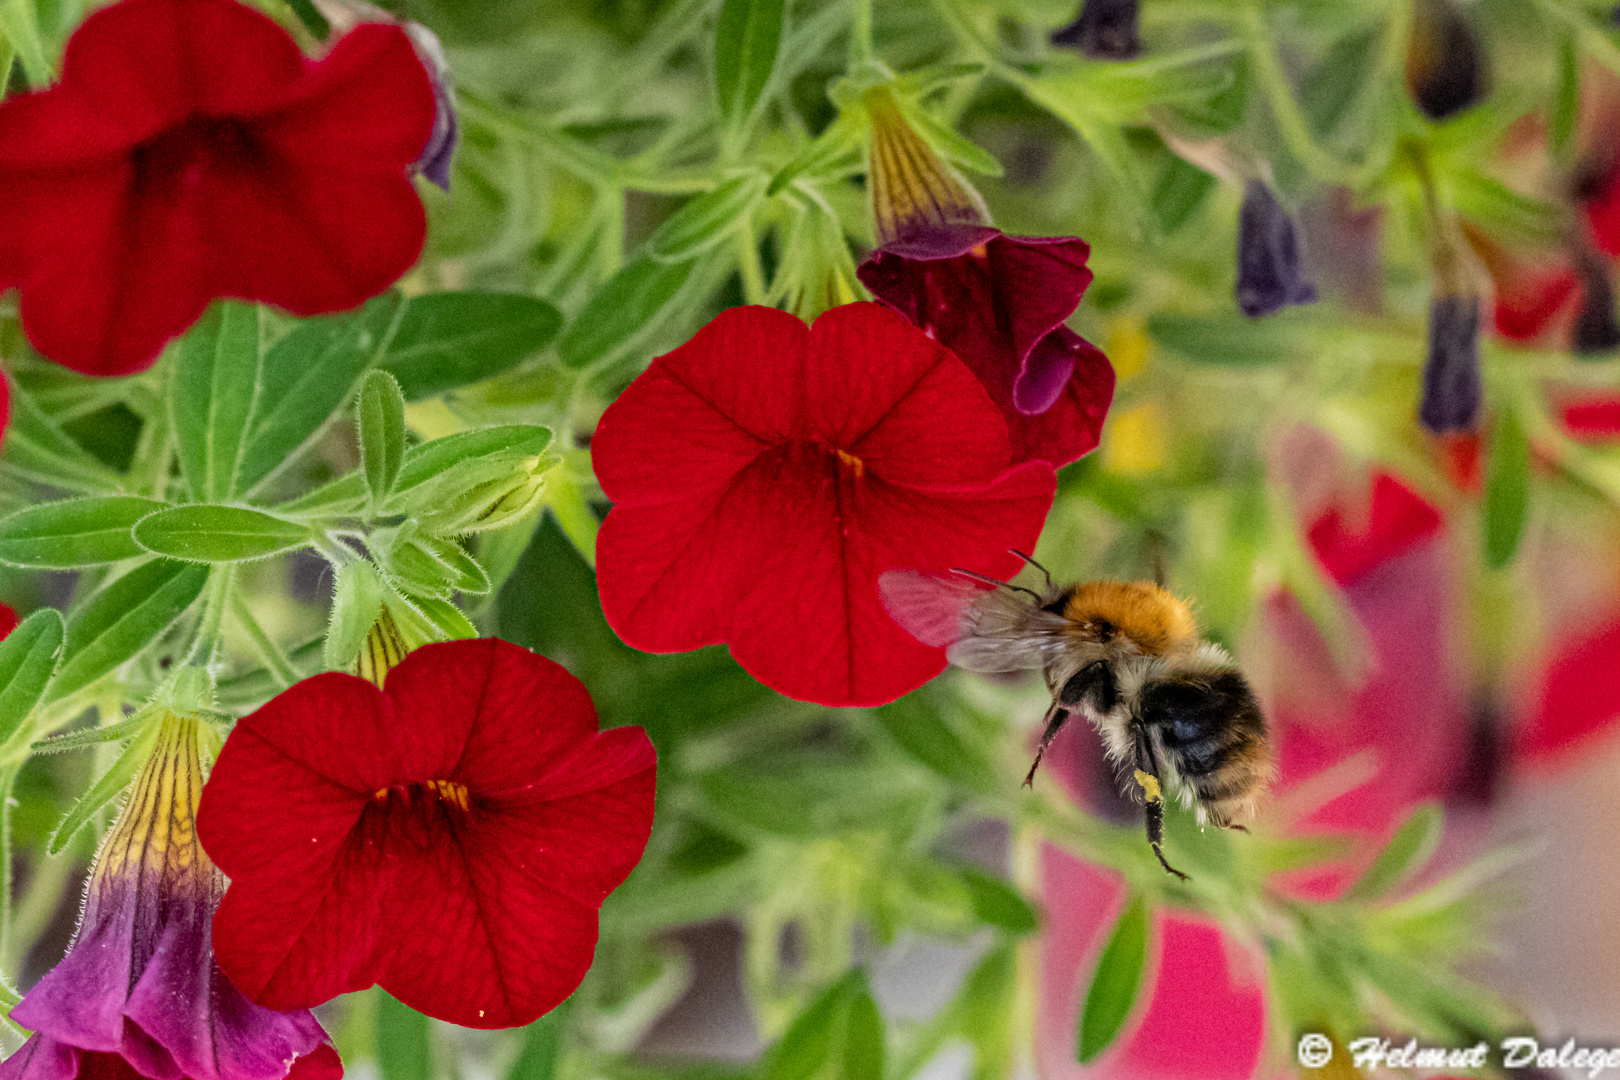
point(933, 609)
point(980, 629)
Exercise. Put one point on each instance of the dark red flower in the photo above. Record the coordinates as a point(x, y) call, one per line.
point(449, 836)
point(1592, 418)
point(999, 303)
point(8, 616)
point(1576, 698)
point(1603, 208)
point(190, 152)
point(765, 473)
point(1393, 520)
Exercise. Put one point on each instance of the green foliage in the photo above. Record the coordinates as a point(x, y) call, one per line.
point(218, 534)
point(1405, 854)
point(1507, 489)
point(839, 1037)
point(404, 1051)
point(123, 618)
point(746, 40)
point(450, 339)
point(623, 311)
point(75, 532)
point(28, 658)
point(1115, 983)
point(216, 384)
point(381, 423)
point(111, 784)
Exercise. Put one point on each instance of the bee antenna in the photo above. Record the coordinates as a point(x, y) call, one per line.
point(997, 582)
point(1030, 559)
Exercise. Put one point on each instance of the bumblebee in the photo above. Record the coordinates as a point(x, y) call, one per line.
point(1173, 710)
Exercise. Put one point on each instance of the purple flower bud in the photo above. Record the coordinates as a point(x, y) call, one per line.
point(1445, 67)
point(139, 992)
point(1452, 388)
point(1104, 30)
point(1595, 329)
point(434, 162)
point(1269, 272)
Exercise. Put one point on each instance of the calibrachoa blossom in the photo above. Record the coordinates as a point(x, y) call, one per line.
point(190, 152)
point(1270, 272)
point(996, 301)
point(138, 993)
point(765, 473)
point(449, 836)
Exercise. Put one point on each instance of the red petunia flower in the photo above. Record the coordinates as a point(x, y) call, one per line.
point(999, 303)
point(449, 836)
point(190, 152)
point(765, 473)
point(8, 619)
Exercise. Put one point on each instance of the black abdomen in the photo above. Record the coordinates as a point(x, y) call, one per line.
point(1214, 734)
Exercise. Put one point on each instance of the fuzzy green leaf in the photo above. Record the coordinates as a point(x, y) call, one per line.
point(1115, 983)
point(123, 618)
point(307, 377)
point(1406, 853)
point(28, 658)
point(706, 220)
point(1507, 489)
point(216, 383)
point(75, 532)
point(623, 309)
point(450, 339)
point(106, 789)
point(219, 534)
point(356, 601)
point(380, 417)
point(746, 41)
point(431, 460)
point(38, 448)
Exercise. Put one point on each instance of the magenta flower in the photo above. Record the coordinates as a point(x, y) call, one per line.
point(138, 993)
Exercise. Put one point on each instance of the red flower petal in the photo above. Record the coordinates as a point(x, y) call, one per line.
point(1578, 697)
point(347, 870)
point(1593, 418)
point(760, 510)
point(1603, 213)
point(191, 152)
point(1529, 301)
point(1397, 520)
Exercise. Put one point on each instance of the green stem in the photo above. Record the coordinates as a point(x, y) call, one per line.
point(573, 155)
point(1291, 122)
point(209, 628)
point(753, 274)
point(8, 777)
point(35, 909)
point(274, 657)
point(860, 35)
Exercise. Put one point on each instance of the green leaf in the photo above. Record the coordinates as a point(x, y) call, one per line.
point(219, 534)
point(431, 460)
point(542, 1048)
point(462, 572)
point(38, 448)
point(951, 144)
point(747, 38)
point(307, 377)
point(356, 601)
point(706, 220)
point(808, 1044)
point(311, 17)
point(918, 724)
point(450, 339)
point(1114, 984)
point(1228, 340)
point(863, 1036)
point(404, 1051)
point(1507, 489)
point(1566, 101)
point(626, 307)
point(75, 532)
point(216, 382)
point(106, 789)
point(999, 904)
point(1182, 189)
point(122, 618)
point(1407, 851)
point(1504, 213)
point(380, 417)
point(441, 619)
point(28, 657)
point(87, 737)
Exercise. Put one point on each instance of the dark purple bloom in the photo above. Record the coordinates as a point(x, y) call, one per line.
point(1269, 272)
point(1451, 379)
point(1445, 67)
point(999, 303)
point(138, 993)
point(434, 162)
point(1595, 329)
point(1104, 30)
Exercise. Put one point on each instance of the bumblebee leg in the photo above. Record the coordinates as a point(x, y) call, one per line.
point(1055, 719)
point(1154, 800)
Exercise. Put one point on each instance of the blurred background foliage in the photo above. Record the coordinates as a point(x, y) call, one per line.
point(801, 855)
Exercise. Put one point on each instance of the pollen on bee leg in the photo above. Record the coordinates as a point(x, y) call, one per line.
point(1150, 786)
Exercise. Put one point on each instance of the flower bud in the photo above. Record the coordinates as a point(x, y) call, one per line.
point(1452, 388)
point(914, 192)
point(490, 503)
point(1445, 67)
point(1269, 272)
point(1104, 30)
point(385, 647)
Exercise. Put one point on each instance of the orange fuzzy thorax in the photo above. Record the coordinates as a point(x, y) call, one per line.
point(1152, 618)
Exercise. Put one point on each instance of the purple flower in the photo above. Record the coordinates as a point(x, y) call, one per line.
point(1445, 67)
point(996, 301)
point(138, 993)
point(1104, 30)
point(434, 162)
point(1451, 379)
point(1270, 275)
